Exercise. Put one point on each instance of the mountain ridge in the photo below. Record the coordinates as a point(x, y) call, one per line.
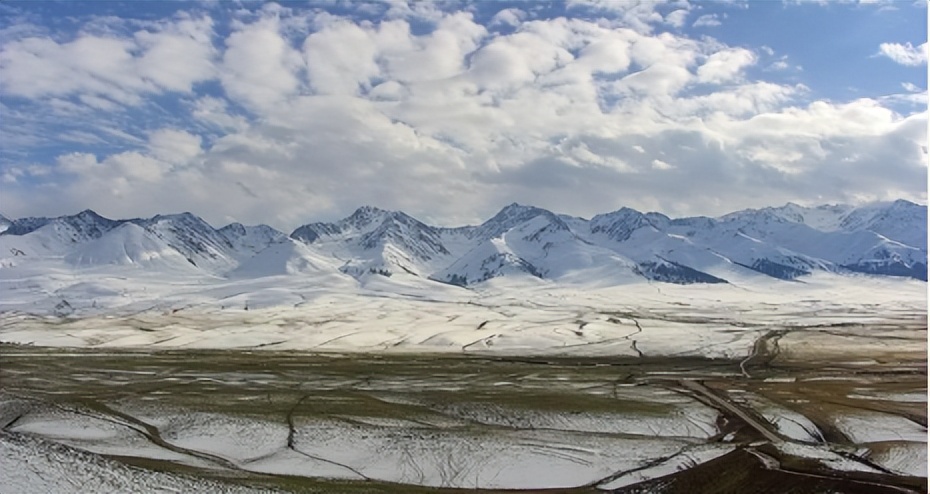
point(784, 243)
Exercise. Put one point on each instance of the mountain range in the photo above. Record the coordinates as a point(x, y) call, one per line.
point(623, 246)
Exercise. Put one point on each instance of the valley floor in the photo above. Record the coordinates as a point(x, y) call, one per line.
point(397, 386)
point(221, 420)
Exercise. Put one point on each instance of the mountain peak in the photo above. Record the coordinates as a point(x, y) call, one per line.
point(517, 208)
point(176, 216)
point(904, 204)
point(366, 215)
point(89, 212)
point(186, 218)
point(511, 216)
point(368, 211)
point(619, 225)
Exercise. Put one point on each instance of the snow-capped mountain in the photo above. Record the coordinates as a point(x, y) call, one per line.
point(125, 245)
point(201, 244)
point(513, 216)
point(285, 256)
point(901, 221)
point(246, 241)
point(530, 241)
point(623, 246)
point(4, 223)
point(375, 241)
point(80, 227)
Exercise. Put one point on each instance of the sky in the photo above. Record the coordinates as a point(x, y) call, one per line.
point(286, 113)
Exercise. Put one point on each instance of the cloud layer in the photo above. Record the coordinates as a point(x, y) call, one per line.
point(283, 115)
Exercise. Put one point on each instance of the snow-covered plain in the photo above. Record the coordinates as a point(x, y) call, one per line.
point(410, 314)
point(32, 464)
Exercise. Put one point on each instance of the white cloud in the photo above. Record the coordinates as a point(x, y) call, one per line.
point(134, 166)
point(174, 146)
point(661, 165)
point(78, 163)
point(437, 55)
point(779, 65)
point(707, 20)
point(515, 60)
point(259, 66)
point(677, 18)
point(904, 54)
point(725, 65)
point(341, 58)
point(215, 113)
point(508, 17)
point(36, 67)
point(179, 55)
point(101, 69)
point(449, 121)
point(660, 79)
point(637, 14)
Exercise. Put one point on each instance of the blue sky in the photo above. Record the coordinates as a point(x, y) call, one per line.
point(289, 112)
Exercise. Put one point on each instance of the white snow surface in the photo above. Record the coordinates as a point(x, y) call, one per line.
point(329, 311)
point(31, 464)
point(824, 455)
point(686, 459)
point(874, 427)
point(128, 244)
point(906, 458)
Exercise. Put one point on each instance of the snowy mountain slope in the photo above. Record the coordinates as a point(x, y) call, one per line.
point(805, 245)
point(128, 244)
point(512, 216)
point(39, 237)
point(375, 241)
point(825, 218)
point(490, 259)
point(187, 235)
point(662, 256)
point(193, 237)
point(902, 221)
point(539, 244)
point(615, 230)
point(745, 239)
point(246, 241)
point(787, 243)
point(285, 256)
point(83, 226)
point(619, 225)
point(47, 241)
point(4, 223)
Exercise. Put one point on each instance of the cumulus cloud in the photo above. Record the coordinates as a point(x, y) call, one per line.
point(259, 65)
point(640, 15)
point(904, 54)
point(677, 18)
point(174, 146)
point(169, 56)
point(508, 17)
point(430, 112)
point(725, 65)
